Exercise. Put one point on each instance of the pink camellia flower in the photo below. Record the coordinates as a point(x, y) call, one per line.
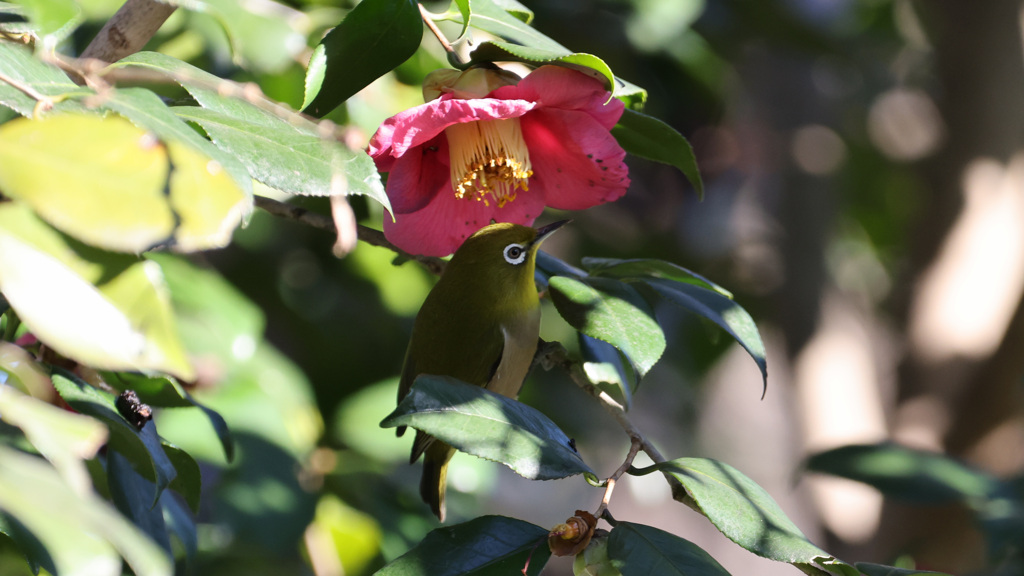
point(493, 146)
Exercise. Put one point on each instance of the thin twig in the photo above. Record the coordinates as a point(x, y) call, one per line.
point(437, 31)
point(366, 234)
point(129, 29)
point(44, 102)
point(553, 354)
point(634, 448)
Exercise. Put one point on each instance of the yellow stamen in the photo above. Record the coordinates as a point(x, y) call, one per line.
point(489, 157)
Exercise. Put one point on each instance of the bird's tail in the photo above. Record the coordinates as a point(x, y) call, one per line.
point(435, 472)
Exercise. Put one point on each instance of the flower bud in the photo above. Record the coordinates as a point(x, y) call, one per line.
point(572, 536)
point(473, 83)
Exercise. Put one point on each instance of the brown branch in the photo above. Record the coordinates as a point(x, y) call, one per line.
point(128, 30)
point(366, 234)
point(437, 31)
point(634, 448)
point(43, 101)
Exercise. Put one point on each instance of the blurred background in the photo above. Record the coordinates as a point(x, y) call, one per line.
point(864, 171)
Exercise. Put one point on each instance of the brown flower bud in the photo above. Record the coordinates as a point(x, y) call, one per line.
point(569, 538)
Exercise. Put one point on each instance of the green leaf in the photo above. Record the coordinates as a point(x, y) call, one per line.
point(485, 546)
point(18, 63)
point(146, 110)
point(492, 17)
point(141, 447)
point(373, 39)
point(181, 525)
point(488, 425)
point(648, 267)
point(611, 311)
point(265, 36)
point(122, 315)
point(188, 479)
point(279, 148)
point(602, 363)
point(64, 438)
point(111, 189)
point(879, 570)
point(721, 310)
point(497, 51)
point(80, 532)
point(53, 20)
point(650, 138)
point(132, 494)
point(638, 550)
point(909, 474)
point(745, 512)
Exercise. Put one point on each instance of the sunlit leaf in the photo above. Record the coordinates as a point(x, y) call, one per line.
point(611, 311)
point(18, 368)
point(491, 16)
point(18, 63)
point(489, 425)
point(588, 64)
point(638, 550)
point(869, 569)
point(102, 180)
point(122, 315)
point(277, 146)
point(485, 546)
point(721, 310)
point(603, 366)
point(640, 268)
point(265, 36)
point(81, 533)
point(188, 479)
point(745, 513)
point(650, 138)
point(53, 20)
point(373, 39)
point(64, 438)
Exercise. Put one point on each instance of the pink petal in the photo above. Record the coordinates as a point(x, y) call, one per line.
point(441, 226)
point(576, 161)
point(418, 125)
point(560, 87)
point(418, 175)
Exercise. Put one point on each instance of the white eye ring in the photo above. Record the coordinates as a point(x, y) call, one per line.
point(515, 254)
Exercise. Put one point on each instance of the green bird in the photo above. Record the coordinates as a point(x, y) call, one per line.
point(479, 324)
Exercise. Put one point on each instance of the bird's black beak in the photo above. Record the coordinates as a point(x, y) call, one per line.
point(545, 231)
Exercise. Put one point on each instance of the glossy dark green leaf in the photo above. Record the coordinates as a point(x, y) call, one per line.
point(908, 474)
point(132, 494)
point(548, 266)
point(374, 38)
point(488, 425)
point(611, 311)
point(647, 137)
point(648, 267)
point(639, 550)
point(745, 513)
point(182, 526)
point(869, 569)
point(603, 365)
point(721, 310)
point(497, 51)
point(18, 63)
point(165, 391)
point(141, 448)
point(485, 546)
point(493, 17)
point(188, 479)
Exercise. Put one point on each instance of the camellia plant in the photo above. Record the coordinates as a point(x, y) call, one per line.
point(118, 163)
